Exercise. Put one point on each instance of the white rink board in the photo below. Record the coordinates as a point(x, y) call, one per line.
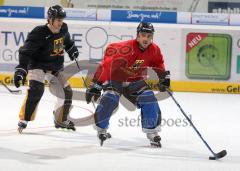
point(92, 38)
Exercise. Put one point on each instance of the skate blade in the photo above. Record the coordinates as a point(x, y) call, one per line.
point(108, 136)
point(101, 142)
point(154, 145)
point(65, 128)
point(20, 130)
point(74, 129)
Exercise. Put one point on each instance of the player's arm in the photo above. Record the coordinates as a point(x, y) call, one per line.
point(103, 72)
point(108, 67)
point(159, 68)
point(101, 75)
point(69, 44)
point(30, 46)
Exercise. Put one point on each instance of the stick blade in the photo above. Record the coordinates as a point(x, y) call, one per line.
point(218, 155)
point(16, 91)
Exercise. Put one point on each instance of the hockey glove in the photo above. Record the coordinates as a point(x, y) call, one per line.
point(73, 52)
point(94, 91)
point(164, 81)
point(19, 76)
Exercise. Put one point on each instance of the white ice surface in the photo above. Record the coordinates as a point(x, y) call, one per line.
point(42, 147)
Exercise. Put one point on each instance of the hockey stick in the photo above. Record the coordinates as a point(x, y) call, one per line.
point(101, 137)
point(11, 91)
point(84, 82)
point(215, 156)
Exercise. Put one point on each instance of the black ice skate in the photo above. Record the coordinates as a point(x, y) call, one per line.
point(21, 125)
point(65, 125)
point(103, 137)
point(154, 140)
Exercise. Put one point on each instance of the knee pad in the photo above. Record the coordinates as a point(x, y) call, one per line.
point(108, 103)
point(147, 97)
point(36, 89)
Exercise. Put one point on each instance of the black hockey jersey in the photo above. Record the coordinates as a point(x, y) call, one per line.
point(44, 49)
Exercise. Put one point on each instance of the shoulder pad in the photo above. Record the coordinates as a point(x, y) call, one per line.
point(155, 46)
point(64, 28)
point(40, 29)
point(38, 32)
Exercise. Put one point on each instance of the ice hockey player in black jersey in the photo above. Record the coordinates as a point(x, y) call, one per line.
point(43, 54)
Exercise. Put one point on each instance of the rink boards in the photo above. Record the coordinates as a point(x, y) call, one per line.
point(201, 58)
point(180, 86)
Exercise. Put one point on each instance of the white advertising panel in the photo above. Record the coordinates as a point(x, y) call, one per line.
point(193, 53)
point(210, 18)
point(91, 38)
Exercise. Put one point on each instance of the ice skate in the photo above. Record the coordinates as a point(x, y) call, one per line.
point(154, 140)
point(21, 125)
point(65, 125)
point(103, 136)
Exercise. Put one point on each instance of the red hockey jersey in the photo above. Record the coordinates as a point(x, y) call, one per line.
point(126, 62)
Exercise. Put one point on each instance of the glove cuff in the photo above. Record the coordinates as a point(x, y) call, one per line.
point(97, 85)
point(22, 70)
point(70, 48)
point(163, 75)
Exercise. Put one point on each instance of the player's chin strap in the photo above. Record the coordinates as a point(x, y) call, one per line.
point(215, 156)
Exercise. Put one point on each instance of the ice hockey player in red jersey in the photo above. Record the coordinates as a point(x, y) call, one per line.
point(43, 54)
point(123, 71)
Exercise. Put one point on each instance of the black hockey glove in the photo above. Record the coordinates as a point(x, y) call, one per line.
point(94, 91)
point(73, 52)
point(19, 76)
point(164, 81)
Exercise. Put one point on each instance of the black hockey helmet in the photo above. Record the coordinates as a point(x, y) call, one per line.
point(145, 27)
point(56, 11)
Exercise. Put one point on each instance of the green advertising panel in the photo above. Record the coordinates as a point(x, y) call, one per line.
point(208, 56)
point(238, 64)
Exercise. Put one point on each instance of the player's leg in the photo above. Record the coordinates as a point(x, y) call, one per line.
point(34, 94)
point(108, 103)
point(151, 116)
point(140, 95)
point(64, 94)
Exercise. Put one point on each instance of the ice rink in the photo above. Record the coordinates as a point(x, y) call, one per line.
point(42, 147)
